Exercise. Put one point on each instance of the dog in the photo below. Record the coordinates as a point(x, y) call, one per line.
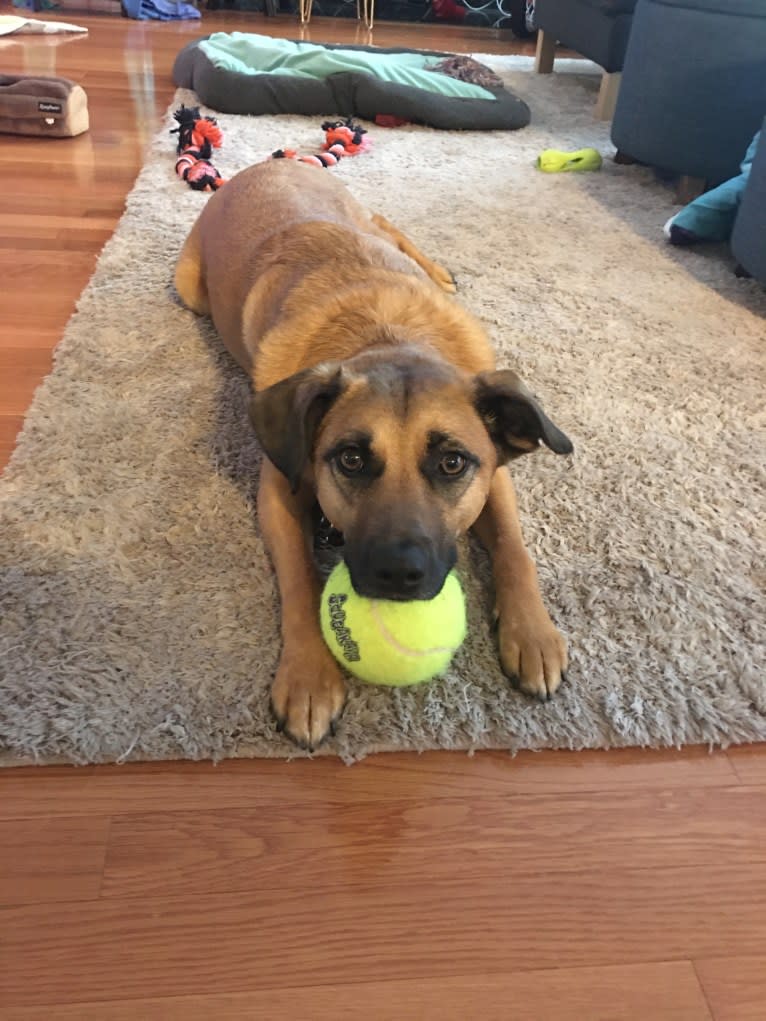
point(376, 395)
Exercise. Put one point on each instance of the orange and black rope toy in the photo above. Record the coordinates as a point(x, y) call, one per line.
point(197, 137)
point(342, 138)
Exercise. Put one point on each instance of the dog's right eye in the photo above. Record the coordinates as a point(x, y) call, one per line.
point(350, 461)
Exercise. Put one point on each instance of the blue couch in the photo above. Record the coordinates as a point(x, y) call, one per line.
point(748, 240)
point(693, 90)
point(598, 29)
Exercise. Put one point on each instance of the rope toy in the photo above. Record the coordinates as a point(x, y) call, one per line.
point(197, 137)
point(342, 138)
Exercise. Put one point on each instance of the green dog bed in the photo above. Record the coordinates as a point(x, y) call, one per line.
point(237, 72)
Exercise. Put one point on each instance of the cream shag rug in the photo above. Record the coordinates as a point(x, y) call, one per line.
point(139, 617)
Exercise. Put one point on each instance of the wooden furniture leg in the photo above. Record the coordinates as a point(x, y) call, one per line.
point(689, 188)
point(546, 51)
point(607, 95)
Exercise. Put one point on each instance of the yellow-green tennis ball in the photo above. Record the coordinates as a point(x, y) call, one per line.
point(385, 642)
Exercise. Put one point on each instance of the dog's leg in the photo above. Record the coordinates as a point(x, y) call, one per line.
point(532, 652)
point(437, 273)
point(189, 279)
point(308, 693)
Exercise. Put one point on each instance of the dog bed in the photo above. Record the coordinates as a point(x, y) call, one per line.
point(244, 73)
point(55, 107)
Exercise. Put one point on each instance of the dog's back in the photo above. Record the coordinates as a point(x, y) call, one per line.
point(285, 244)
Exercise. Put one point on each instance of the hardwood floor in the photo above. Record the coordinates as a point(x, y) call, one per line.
point(551, 887)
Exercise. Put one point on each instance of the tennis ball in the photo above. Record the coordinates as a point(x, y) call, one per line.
point(381, 641)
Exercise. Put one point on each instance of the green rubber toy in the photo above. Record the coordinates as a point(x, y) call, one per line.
point(553, 161)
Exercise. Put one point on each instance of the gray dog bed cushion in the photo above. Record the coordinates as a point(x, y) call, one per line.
point(226, 70)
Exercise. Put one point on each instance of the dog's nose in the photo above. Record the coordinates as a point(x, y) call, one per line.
point(395, 569)
point(400, 568)
point(403, 567)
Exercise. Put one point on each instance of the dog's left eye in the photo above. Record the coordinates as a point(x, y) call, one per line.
point(350, 460)
point(453, 464)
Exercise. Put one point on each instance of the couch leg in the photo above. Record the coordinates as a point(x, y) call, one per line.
point(607, 95)
point(689, 188)
point(546, 51)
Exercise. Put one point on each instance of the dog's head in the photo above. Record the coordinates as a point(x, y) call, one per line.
point(400, 447)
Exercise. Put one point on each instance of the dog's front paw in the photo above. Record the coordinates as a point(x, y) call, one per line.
point(533, 653)
point(308, 695)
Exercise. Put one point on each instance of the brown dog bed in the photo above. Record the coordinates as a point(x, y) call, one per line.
point(55, 107)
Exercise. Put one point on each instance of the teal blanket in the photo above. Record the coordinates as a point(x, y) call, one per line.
point(711, 217)
point(247, 53)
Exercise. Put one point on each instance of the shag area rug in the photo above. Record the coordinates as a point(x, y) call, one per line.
point(139, 618)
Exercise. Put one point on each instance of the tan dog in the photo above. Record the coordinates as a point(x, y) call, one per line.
point(377, 396)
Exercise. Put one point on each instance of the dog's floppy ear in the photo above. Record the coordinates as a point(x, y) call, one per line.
point(513, 418)
point(286, 416)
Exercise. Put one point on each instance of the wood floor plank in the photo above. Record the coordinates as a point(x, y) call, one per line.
point(528, 917)
point(665, 991)
point(321, 842)
point(749, 762)
point(39, 336)
point(735, 987)
point(30, 224)
point(197, 786)
point(50, 860)
point(51, 307)
point(42, 270)
point(9, 430)
point(32, 195)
